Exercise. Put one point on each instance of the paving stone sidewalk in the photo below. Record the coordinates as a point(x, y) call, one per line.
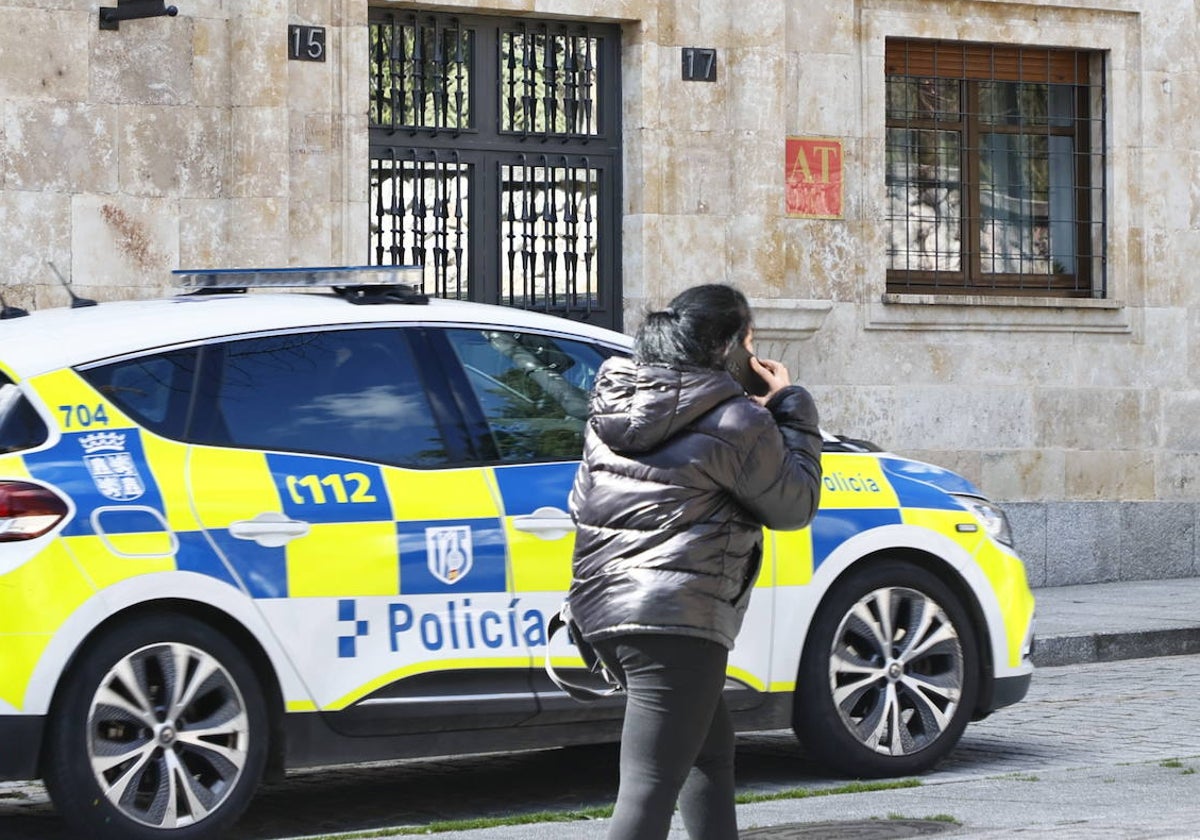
point(1104, 622)
point(1100, 750)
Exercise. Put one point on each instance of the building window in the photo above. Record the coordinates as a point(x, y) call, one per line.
point(496, 158)
point(995, 169)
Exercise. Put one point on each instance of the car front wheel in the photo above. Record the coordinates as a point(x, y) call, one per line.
point(160, 733)
point(889, 675)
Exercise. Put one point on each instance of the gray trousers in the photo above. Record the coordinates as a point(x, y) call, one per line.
point(677, 741)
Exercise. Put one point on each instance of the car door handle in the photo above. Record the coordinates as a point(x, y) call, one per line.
point(549, 523)
point(269, 529)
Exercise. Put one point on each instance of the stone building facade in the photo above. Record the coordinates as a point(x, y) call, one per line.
point(193, 141)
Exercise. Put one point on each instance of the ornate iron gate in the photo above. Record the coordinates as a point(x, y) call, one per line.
point(495, 159)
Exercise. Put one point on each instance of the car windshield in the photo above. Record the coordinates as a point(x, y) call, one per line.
point(21, 427)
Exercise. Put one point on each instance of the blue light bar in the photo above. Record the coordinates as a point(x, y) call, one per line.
point(275, 278)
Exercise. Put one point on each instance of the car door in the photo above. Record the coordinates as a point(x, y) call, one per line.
point(529, 392)
point(333, 476)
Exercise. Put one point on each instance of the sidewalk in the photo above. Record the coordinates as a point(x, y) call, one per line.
point(1103, 622)
point(1089, 623)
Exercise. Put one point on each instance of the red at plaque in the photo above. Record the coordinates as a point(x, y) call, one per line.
point(813, 170)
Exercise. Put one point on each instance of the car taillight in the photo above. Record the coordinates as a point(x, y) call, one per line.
point(28, 510)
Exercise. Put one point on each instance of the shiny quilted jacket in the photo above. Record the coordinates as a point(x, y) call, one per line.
point(680, 472)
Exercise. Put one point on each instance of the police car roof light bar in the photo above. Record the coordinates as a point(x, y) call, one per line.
point(269, 278)
point(357, 284)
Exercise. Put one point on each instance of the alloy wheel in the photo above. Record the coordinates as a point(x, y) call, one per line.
point(168, 735)
point(896, 670)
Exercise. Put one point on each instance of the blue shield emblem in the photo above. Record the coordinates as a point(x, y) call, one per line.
point(111, 466)
point(448, 552)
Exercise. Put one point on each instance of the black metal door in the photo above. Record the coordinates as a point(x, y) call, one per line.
point(495, 159)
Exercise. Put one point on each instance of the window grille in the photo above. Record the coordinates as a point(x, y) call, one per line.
point(421, 74)
point(495, 159)
point(995, 169)
point(419, 203)
point(548, 83)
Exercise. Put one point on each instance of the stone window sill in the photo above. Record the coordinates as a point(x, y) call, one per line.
point(784, 319)
point(895, 311)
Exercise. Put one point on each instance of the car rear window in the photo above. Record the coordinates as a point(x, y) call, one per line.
point(21, 427)
point(155, 390)
point(352, 393)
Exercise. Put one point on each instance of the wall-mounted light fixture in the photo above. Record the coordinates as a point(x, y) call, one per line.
point(111, 16)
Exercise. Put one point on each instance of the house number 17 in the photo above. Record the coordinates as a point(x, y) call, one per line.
point(699, 64)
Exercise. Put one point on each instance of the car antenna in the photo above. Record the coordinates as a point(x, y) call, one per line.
point(7, 311)
point(77, 302)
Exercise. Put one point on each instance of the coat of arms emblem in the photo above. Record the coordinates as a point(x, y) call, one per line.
point(449, 553)
point(112, 467)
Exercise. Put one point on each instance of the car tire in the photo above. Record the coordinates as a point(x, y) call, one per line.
point(160, 731)
point(889, 675)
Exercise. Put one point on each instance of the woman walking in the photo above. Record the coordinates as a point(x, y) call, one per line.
point(681, 471)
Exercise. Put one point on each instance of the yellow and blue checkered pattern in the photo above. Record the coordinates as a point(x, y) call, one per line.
point(146, 504)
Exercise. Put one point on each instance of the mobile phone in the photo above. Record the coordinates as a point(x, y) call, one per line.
point(738, 365)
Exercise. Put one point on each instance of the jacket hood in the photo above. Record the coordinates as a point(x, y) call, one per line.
point(636, 408)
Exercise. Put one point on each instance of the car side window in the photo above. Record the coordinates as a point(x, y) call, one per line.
point(155, 390)
point(351, 393)
point(533, 390)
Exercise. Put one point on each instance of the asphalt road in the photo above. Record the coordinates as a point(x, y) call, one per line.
point(1095, 750)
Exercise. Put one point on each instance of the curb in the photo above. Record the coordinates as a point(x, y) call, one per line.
point(1110, 647)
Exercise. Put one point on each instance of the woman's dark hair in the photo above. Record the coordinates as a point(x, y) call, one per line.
point(697, 328)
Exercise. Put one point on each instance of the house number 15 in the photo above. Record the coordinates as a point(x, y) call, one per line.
point(306, 43)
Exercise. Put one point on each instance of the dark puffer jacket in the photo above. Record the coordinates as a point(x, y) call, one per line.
point(680, 472)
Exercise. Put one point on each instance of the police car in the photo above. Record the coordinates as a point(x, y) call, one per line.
point(243, 532)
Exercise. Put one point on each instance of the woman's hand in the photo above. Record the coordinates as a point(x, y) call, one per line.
point(773, 373)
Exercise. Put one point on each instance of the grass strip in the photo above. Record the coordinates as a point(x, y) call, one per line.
point(809, 793)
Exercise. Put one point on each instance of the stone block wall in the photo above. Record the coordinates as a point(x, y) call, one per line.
point(176, 142)
point(193, 141)
point(1066, 543)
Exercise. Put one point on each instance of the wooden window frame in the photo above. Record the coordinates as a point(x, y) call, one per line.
point(971, 66)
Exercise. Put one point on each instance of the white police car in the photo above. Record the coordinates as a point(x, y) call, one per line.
point(246, 532)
